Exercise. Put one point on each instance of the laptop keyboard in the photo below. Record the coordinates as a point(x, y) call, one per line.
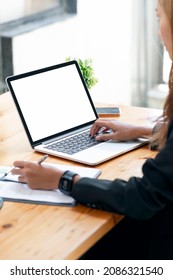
point(74, 144)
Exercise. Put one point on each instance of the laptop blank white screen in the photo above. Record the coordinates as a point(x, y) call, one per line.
point(53, 101)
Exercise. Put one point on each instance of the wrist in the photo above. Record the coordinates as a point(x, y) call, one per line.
point(144, 132)
point(67, 180)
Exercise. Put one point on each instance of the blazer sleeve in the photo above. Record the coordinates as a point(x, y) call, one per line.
point(139, 198)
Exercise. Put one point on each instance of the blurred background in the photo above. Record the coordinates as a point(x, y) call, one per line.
point(121, 38)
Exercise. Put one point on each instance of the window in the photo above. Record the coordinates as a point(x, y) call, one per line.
point(13, 10)
point(25, 16)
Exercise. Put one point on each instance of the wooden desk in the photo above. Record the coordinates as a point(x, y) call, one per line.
point(29, 231)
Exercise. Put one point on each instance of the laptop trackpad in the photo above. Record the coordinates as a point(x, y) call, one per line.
point(105, 151)
point(114, 146)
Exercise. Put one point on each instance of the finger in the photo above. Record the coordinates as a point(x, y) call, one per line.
point(104, 137)
point(94, 130)
point(19, 163)
point(106, 130)
point(22, 179)
point(108, 124)
point(17, 171)
point(97, 126)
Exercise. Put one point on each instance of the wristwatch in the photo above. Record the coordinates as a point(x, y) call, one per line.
point(66, 182)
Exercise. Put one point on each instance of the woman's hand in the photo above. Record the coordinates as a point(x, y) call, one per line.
point(37, 176)
point(120, 131)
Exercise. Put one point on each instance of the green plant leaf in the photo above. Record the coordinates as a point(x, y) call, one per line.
point(87, 70)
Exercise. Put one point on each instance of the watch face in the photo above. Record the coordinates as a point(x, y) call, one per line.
point(65, 184)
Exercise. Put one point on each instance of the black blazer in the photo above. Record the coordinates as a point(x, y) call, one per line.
point(146, 198)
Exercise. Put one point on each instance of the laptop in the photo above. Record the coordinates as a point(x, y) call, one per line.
point(57, 113)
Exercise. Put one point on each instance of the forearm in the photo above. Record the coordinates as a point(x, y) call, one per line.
point(142, 131)
point(135, 198)
point(117, 196)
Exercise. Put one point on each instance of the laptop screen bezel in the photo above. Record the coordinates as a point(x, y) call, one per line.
point(38, 71)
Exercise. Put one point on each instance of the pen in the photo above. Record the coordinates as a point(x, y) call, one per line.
point(6, 173)
point(42, 159)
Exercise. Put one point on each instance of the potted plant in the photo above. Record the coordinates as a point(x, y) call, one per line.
point(87, 70)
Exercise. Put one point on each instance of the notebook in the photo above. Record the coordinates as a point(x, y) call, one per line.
point(54, 104)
